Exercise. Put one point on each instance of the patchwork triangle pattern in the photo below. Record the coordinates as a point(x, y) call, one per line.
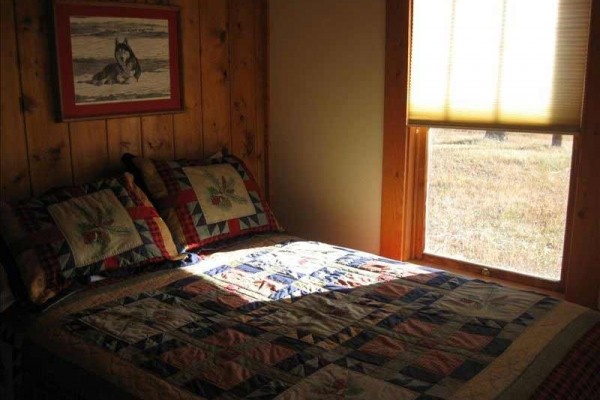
point(196, 213)
point(184, 183)
point(217, 228)
point(65, 257)
point(144, 231)
point(254, 197)
point(153, 341)
point(250, 221)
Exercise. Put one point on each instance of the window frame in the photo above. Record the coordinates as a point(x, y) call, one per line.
point(405, 167)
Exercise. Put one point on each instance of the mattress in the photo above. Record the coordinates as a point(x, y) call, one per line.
point(279, 317)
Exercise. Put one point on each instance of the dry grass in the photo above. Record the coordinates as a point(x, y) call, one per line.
point(501, 204)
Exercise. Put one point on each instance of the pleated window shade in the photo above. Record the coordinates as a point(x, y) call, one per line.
point(506, 64)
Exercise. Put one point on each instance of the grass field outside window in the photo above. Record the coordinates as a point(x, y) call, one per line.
point(500, 203)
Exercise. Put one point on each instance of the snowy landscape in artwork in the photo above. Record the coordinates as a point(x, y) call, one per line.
point(119, 59)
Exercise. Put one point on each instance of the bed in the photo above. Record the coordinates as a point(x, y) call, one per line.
point(252, 313)
point(274, 316)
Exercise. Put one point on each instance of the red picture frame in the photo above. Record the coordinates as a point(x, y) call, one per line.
point(116, 59)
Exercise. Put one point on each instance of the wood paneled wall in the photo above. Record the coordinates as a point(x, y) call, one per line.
point(223, 45)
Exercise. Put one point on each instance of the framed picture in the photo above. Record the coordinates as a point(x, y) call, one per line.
point(115, 59)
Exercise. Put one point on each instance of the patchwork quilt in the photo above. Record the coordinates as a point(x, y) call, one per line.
point(277, 317)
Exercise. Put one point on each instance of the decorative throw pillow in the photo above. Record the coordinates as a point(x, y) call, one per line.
point(73, 233)
point(205, 201)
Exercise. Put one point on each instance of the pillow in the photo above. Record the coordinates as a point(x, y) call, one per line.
point(6, 294)
point(205, 201)
point(73, 233)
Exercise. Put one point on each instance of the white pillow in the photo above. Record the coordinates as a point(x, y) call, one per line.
point(6, 295)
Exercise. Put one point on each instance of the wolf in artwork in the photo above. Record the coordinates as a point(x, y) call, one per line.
point(126, 66)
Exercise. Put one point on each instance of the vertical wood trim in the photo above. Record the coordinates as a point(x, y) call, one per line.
point(230, 15)
point(157, 137)
point(395, 132)
point(14, 163)
point(260, 40)
point(48, 141)
point(583, 275)
point(570, 214)
point(413, 237)
point(420, 192)
point(408, 231)
point(89, 150)
point(267, 44)
point(214, 31)
point(187, 126)
point(243, 90)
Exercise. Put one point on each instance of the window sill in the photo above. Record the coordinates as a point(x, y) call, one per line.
point(470, 270)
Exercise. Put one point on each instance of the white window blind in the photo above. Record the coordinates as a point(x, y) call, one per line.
point(499, 63)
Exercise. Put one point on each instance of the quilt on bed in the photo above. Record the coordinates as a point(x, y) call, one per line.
point(300, 319)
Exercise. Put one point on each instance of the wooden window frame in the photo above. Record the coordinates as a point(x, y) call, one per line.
point(405, 163)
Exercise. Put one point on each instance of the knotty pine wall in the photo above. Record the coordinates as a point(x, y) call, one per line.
point(223, 44)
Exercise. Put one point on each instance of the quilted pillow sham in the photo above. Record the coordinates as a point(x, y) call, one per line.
point(204, 201)
point(73, 233)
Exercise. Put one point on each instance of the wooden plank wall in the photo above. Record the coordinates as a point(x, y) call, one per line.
point(223, 46)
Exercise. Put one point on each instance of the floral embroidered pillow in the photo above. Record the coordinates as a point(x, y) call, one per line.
point(205, 201)
point(73, 233)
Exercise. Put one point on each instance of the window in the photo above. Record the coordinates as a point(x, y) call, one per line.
point(498, 199)
point(474, 176)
